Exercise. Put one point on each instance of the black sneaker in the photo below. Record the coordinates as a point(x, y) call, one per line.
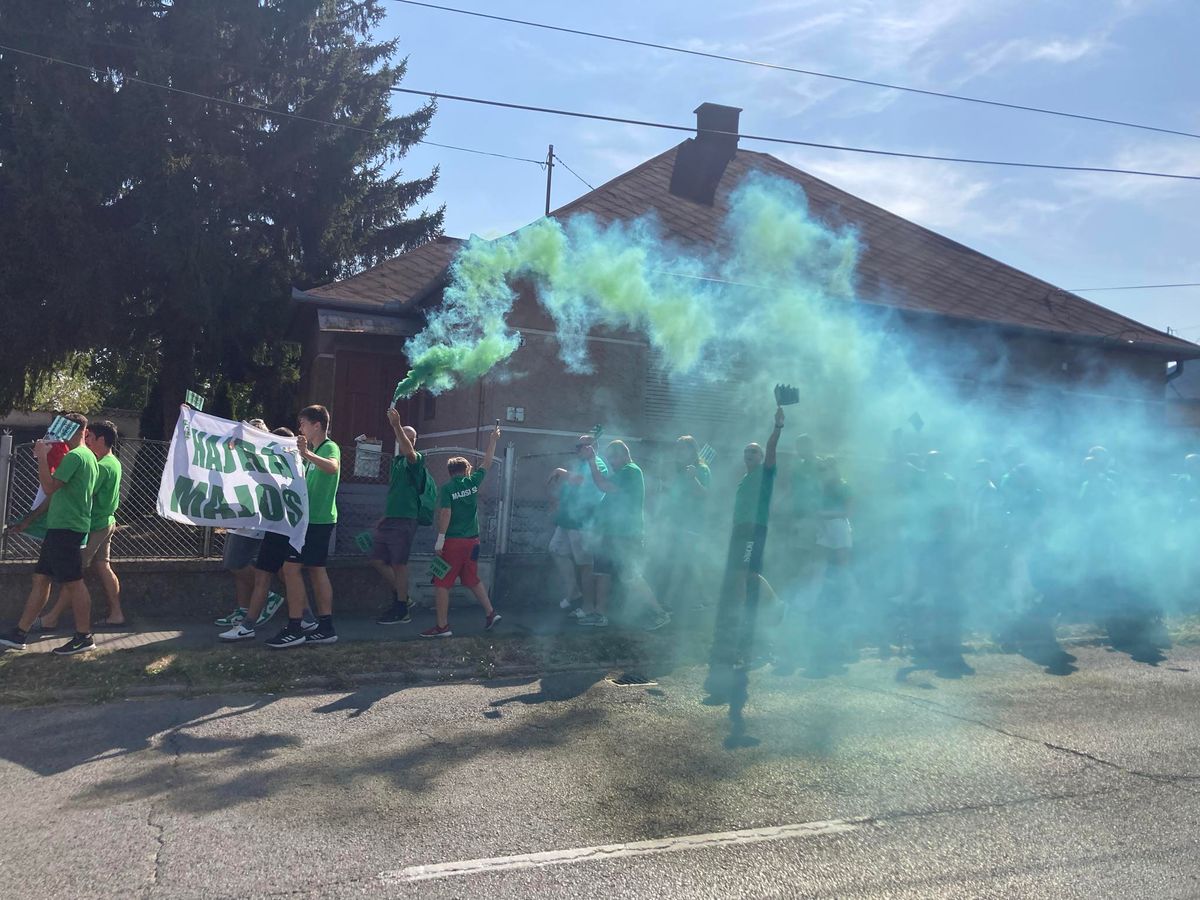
point(286, 638)
point(81, 643)
point(321, 636)
point(12, 639)
point(397, 615)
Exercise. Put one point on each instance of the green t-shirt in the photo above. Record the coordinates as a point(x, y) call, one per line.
point(322, 486)
point(404, 487)
point(106, 496)
point(621, 511)
point(71, 504)
point(460, 495)
point(577, 502)
point(806, 489)
point(749, 507)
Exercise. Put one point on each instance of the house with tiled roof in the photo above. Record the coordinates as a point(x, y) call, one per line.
point(935, 288)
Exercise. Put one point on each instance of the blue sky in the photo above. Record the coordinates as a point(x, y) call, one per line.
point(1134, 60)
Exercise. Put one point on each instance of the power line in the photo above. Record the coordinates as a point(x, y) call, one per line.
point(262, 110)
point(796, 143)
point(782, 68)
point(562, 163)
point(1135, 287)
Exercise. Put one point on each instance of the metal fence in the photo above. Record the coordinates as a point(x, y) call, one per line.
point(143, 534)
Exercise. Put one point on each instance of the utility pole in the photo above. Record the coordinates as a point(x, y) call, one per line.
point(549, 175)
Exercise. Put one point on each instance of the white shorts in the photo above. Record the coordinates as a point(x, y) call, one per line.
point(572, 543)
point(835, 534)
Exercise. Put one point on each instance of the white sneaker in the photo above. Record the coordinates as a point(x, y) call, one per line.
point(238, 632)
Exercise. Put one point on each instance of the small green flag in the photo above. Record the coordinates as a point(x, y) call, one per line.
point(438, 568)
point(364, 540)
point(194, 400)
point(786, 395)
point(62, 428)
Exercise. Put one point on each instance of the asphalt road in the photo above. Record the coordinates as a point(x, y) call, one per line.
point(1007, 783)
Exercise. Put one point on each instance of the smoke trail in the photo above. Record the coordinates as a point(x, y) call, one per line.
point(628, 275)
point(774, 297)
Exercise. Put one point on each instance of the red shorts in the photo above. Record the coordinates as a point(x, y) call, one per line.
point(462, 554)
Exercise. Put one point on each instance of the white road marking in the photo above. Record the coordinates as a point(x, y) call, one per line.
point(617, 851)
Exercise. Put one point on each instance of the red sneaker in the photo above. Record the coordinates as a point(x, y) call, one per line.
point(436, 632)
point(491, 620)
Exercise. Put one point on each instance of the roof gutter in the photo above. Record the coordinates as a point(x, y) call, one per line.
point(1168, 351)
point(350, 306)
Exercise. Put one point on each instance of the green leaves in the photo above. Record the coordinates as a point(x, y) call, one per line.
point(170, 229)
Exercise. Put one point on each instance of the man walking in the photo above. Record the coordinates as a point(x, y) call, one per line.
point(570, 547)
point(397, 529)
point(458, 539)
point(68, 521)
point(621, 525)
point(238, 556)
point(322, 474)
point(100, 438)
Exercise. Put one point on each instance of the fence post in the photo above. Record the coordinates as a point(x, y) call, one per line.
point(208, 535)
point(506, 501)
point(6, 452)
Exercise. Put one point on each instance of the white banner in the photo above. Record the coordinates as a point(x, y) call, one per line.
point(230, 475)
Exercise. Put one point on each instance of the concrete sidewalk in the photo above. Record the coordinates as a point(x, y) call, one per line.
point(172, 635)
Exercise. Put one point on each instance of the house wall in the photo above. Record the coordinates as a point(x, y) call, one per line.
point(1011, 370)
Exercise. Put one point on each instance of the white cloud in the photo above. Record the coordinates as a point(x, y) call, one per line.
point(1147, 156)
point(927, 193)
point(1026, 50)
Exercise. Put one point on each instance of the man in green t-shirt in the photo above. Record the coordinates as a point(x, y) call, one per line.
point(100, 437)
point(322, 460)
point(68, 521)
point(620, 524)
point(394, 534)
point(457, 520)
point(736, 619)
point(570, 547)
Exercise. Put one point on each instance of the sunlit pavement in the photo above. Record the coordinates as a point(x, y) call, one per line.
point(879, 781)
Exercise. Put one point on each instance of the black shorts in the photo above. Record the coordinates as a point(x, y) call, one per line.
point(618, 557)
point(276, 550)
point(62, 555)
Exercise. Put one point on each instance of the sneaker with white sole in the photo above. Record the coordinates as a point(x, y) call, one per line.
point(13, 640)
point(659, 622)
point(321, 636)
point(274, 601)
point(491, 620)
point(436, 632)
point(309, 627)
point(287, 639)
point(80, 643)
point(234, 618)
point(239, 632)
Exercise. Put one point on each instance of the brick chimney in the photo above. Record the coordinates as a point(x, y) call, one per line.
point(700, 161)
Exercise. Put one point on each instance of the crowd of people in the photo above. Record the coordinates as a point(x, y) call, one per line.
point(1003, 547)
point(74, 515)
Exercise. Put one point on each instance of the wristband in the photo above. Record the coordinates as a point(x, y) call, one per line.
point(439, 543)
